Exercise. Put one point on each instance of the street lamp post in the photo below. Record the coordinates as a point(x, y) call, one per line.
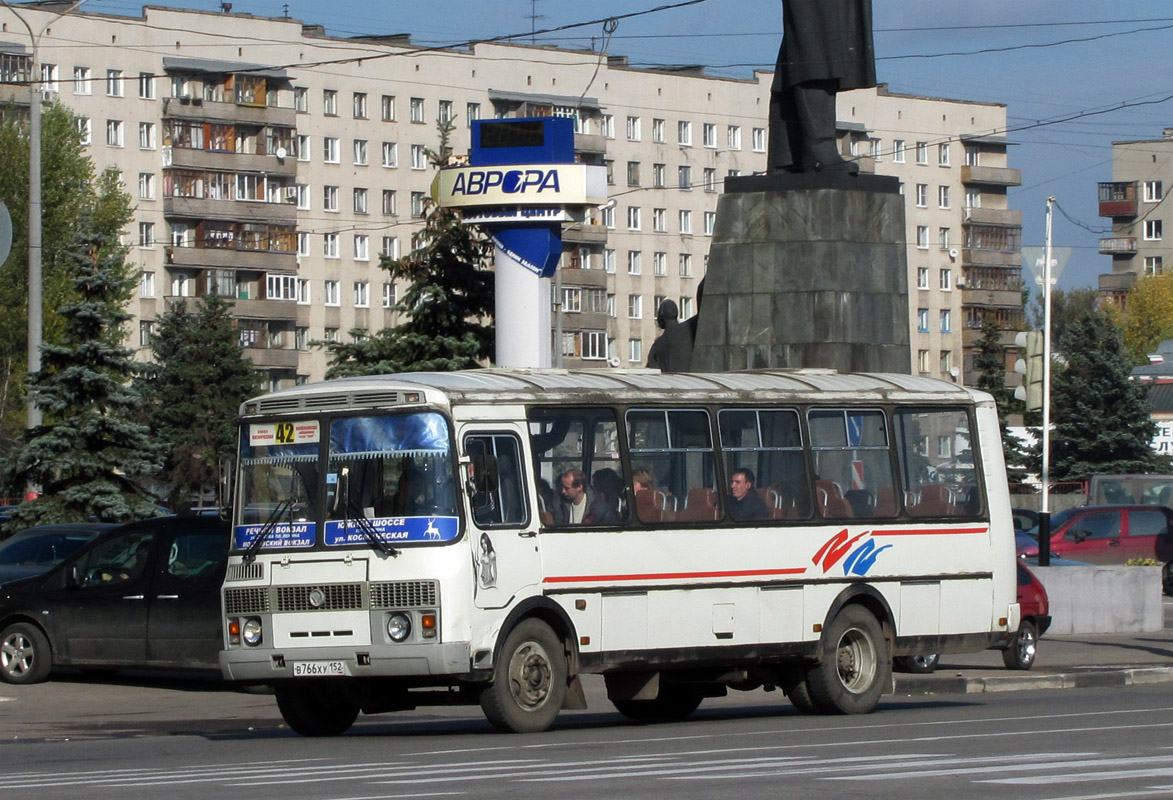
point(36, 301)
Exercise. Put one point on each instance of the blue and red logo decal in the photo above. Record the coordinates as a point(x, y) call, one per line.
point(860, 550)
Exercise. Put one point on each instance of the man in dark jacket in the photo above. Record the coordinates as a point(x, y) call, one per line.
point(826, 48)
point(745, 504)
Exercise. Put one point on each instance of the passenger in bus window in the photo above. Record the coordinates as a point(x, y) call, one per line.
point(579, 506)
point(641, 480)
point(608, 488)
point(745, 503)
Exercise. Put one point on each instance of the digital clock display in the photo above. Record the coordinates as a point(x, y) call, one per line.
point(523, 133)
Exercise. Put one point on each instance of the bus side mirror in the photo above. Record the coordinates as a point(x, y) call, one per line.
point(227, 484)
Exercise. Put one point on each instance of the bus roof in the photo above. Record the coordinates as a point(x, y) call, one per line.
point(560, 386)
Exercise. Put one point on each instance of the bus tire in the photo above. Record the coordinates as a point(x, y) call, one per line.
point(854, 663)
point(315, 709)
point(673, 704)
point(799, 696)
point(25, 654)
point(529, 680)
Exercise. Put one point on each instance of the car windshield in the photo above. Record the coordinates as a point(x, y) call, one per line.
point(41, 549)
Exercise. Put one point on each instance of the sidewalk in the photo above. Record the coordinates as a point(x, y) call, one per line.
point(1063, 662)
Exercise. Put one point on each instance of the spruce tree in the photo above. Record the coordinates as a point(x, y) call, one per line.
point(89, 455)
point(1100, 419)
point(193, 392)
point(990, 364)
point(449, 297)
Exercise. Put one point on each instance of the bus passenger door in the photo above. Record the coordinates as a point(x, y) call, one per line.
point(502, 528)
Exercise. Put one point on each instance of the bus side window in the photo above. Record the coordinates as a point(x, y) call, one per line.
point(768, 443)
point(495, 488)
point(585, 440)
point(852, 463)
point(675, 447)
point(937, 462)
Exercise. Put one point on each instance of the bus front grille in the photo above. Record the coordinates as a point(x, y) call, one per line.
point(405, 594)
point(246, 601)
point(322, 597)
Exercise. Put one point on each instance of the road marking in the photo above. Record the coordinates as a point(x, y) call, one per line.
point(1088, 777)
point(1025, 766)
point(1155, 791)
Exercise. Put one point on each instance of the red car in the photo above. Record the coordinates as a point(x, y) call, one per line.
point(1019, 648)
point(1110, 534)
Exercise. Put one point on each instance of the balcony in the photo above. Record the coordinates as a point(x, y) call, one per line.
point(589, 143)
point(991, 176)
point(189, 158)
point(231, 258)
point(1118, 246)
point(989, 298)
point(232, 210)
point(271, 357)
point(1118, 199)
point(251, 308)
point(583, 321)
point(588, 278)
point(195, 108)
point(993, 216)
point(1117, 282)
point(584, 234)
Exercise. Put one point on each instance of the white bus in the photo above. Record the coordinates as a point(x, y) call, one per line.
point(491, 536)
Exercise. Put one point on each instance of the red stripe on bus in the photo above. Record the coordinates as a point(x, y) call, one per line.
point(675, 575)
point(929, 531)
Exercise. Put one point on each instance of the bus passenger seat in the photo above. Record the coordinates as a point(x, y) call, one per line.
point(885, 502)
point(701, 506)
point(831, 501)
point(934, 502)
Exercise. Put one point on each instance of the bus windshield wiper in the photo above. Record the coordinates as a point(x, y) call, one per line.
point(270, 525)
point(364, 525)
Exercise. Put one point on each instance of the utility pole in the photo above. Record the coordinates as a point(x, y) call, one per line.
point(1045, 511)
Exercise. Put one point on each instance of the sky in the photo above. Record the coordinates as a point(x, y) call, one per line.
point(1075, 75)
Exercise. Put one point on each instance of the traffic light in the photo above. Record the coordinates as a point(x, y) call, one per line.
point(1030, 366)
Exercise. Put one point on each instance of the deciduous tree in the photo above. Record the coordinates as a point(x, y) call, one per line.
point(1148, 316)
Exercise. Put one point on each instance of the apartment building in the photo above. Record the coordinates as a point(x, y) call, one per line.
point(272, 164)
point(1133, 200)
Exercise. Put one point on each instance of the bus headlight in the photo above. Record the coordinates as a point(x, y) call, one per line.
point(398, 626)
point(250, 632)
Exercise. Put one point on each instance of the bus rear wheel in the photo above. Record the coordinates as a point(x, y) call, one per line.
point(315, 709)
point(673, 704)
point(853, 665)
point(529, 680)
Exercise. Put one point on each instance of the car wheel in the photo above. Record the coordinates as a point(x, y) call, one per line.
point(529, 680)
point(25, 654)
point(922, 664)
point(673, 704)
point(1020, 654)
point(315, 709)
point(853, 665)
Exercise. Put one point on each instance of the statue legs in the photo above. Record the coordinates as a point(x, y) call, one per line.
point(802, 130)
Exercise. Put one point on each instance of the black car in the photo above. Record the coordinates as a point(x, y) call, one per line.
point(144, 594)
point(36, 550)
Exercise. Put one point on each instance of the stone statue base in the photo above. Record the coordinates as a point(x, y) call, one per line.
point(806, 270)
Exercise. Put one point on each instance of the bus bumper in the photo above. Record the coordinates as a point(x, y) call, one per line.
point(263, 665)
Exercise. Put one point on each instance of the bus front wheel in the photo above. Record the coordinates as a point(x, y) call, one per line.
point(850, 675)
point(529, 680)
point(315, 709)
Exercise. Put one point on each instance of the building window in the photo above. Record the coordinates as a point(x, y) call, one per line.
point(710, 179)
point(633, 173)
point(759, 140)
point(1153, 230)
point(419, 157)
point(572, 300)
point(390, 203)
point(388, 295)
point(417, 110)
point(330, 334)
point(146, 330)
point(146, 234)
point(685, 306)
point(84, 129)
point(303, 243)
point(444, 112)
point(633, 129)
point(330, 198)
point(146, 186)
point(301, 99)
point(922, 320)
point(635, 351)
point(609, 218)
point(81, 81)
point(922, 277)
point(635, 306)
point(1154, 192)
point(331, 293)
point(607, 126)
point(942, 196)
point(1154, 265)
point(733, 137)
point(146, 284)
point(685, 221)
point(330, 245)
point(303, 196)
point(943, 238)
point(114, 132)
point(943, 154)
point(146, 135)
point(387, 108)
point(684, 133)
point(686, 265)
point(659, 265)
point(660, 220)
point(301, 338)
point(922, 195)
point(359, 105)
point(360, 152)
point(331, 150)
point(390, 247)
point(146, 86)
point(684, 177)
point(390, 154)
point(330, 102)
point(898, 151)
point(946, 280)
point(633, 218)
point(973, 198)
point(360, 200)
point(946, 320)
point(303, 147)
point(946, 362)
point(922, 153)
point(710, 222)
point(362, 294)
point(658, 135)
point(362, 247)
point(114, 83)
point(922, 237)
point(922, 361)
point(609, 261)
point(472, 112)
point(709, 134)
point(634, 262)
point(659, 172)
point(972, 155)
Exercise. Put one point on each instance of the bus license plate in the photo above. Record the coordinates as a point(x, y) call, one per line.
point(314, 669)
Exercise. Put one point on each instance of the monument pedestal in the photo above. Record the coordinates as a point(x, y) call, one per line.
point(806, 270)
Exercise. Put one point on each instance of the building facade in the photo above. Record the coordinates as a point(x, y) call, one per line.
point(273, 165)
point(1133, 201)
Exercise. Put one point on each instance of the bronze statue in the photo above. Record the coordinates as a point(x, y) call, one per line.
point(826, 48)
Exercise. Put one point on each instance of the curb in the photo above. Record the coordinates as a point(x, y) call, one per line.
point(960, 684)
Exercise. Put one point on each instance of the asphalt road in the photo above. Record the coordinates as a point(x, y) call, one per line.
point(1032, 745)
